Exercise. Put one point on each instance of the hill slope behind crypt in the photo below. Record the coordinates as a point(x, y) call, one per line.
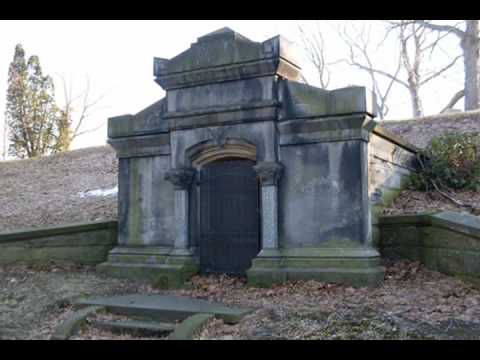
point(48, 190)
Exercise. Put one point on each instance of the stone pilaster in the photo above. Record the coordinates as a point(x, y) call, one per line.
point(181, 178)
point(269, 173)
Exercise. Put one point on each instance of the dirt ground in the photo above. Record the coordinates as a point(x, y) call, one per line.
point(415, 202)
point(413, 303)
point(34, 300)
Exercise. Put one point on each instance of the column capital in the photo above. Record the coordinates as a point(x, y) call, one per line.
point(181, 178)
point(268, 172)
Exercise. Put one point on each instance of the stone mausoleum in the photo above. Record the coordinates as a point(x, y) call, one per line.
point(244, 169)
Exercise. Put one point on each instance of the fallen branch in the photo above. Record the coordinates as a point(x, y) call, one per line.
point(456, 202)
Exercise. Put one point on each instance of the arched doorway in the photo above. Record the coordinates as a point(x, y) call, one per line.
point(229, 216)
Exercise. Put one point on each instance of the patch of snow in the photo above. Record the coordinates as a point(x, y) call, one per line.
point(99, 192)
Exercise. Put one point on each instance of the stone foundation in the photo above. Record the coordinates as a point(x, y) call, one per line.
point(159, 265)
point(357, 267)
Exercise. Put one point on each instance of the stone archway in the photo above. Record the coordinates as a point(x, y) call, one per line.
point(203, 153)
point(226, 205)
point(186, 182)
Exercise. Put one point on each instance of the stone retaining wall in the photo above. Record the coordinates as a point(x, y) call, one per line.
point(447, 242)
point(82, 243)
point(391, 161)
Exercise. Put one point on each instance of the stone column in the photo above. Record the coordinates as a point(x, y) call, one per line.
point(269, 173)
point(181, 178)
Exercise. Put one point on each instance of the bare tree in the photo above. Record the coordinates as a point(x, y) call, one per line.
point(314, 46)
point(470, 45)
point(359, 56)
point(74, 114)
point(413, 45)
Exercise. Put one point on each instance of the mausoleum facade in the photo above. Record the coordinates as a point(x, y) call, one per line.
point(244, 169)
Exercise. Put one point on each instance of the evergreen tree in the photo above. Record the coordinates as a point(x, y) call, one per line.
point(31, 110)
point(16, 105)
point(42, 107)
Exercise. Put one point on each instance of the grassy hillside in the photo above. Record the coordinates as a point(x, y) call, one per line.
point(420, 131)
point(45, 191)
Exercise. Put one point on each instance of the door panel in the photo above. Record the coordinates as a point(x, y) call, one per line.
point(229, 216)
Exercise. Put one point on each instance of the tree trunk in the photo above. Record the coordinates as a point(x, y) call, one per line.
point(417, 107)
point(470, 47)
point(4, 142)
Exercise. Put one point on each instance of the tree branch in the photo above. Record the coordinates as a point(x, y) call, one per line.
point(89, 130)
point(438, 27)
point(456, 98)
point(439, 72)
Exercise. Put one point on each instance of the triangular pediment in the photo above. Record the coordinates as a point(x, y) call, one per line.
point(218, 48)
point(226, 55)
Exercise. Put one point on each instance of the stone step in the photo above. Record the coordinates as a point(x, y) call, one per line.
point(134, 327)
point(164, 308)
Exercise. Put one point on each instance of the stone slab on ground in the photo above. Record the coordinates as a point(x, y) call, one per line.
point(190, 326)
point(164, 307)
point(142, 328)
point(72, 325)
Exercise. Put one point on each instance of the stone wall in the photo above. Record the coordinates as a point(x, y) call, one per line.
point(147, 207)
point(320, 195)
point(85, 243)
point(447, 242)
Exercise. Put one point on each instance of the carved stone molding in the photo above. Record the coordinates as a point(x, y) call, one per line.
point(219, 135)
point(205, 153)
point(181, 178)
point(268, 172)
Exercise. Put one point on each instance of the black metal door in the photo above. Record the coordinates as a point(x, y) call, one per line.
point(229, 217)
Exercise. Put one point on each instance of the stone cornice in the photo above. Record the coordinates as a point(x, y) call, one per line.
point(227, 73)
point(141, 145)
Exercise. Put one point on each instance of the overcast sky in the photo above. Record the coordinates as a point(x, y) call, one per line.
point(117, 57)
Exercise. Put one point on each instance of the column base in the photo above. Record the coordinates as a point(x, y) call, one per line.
point(357, 267)
point(164, 267)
